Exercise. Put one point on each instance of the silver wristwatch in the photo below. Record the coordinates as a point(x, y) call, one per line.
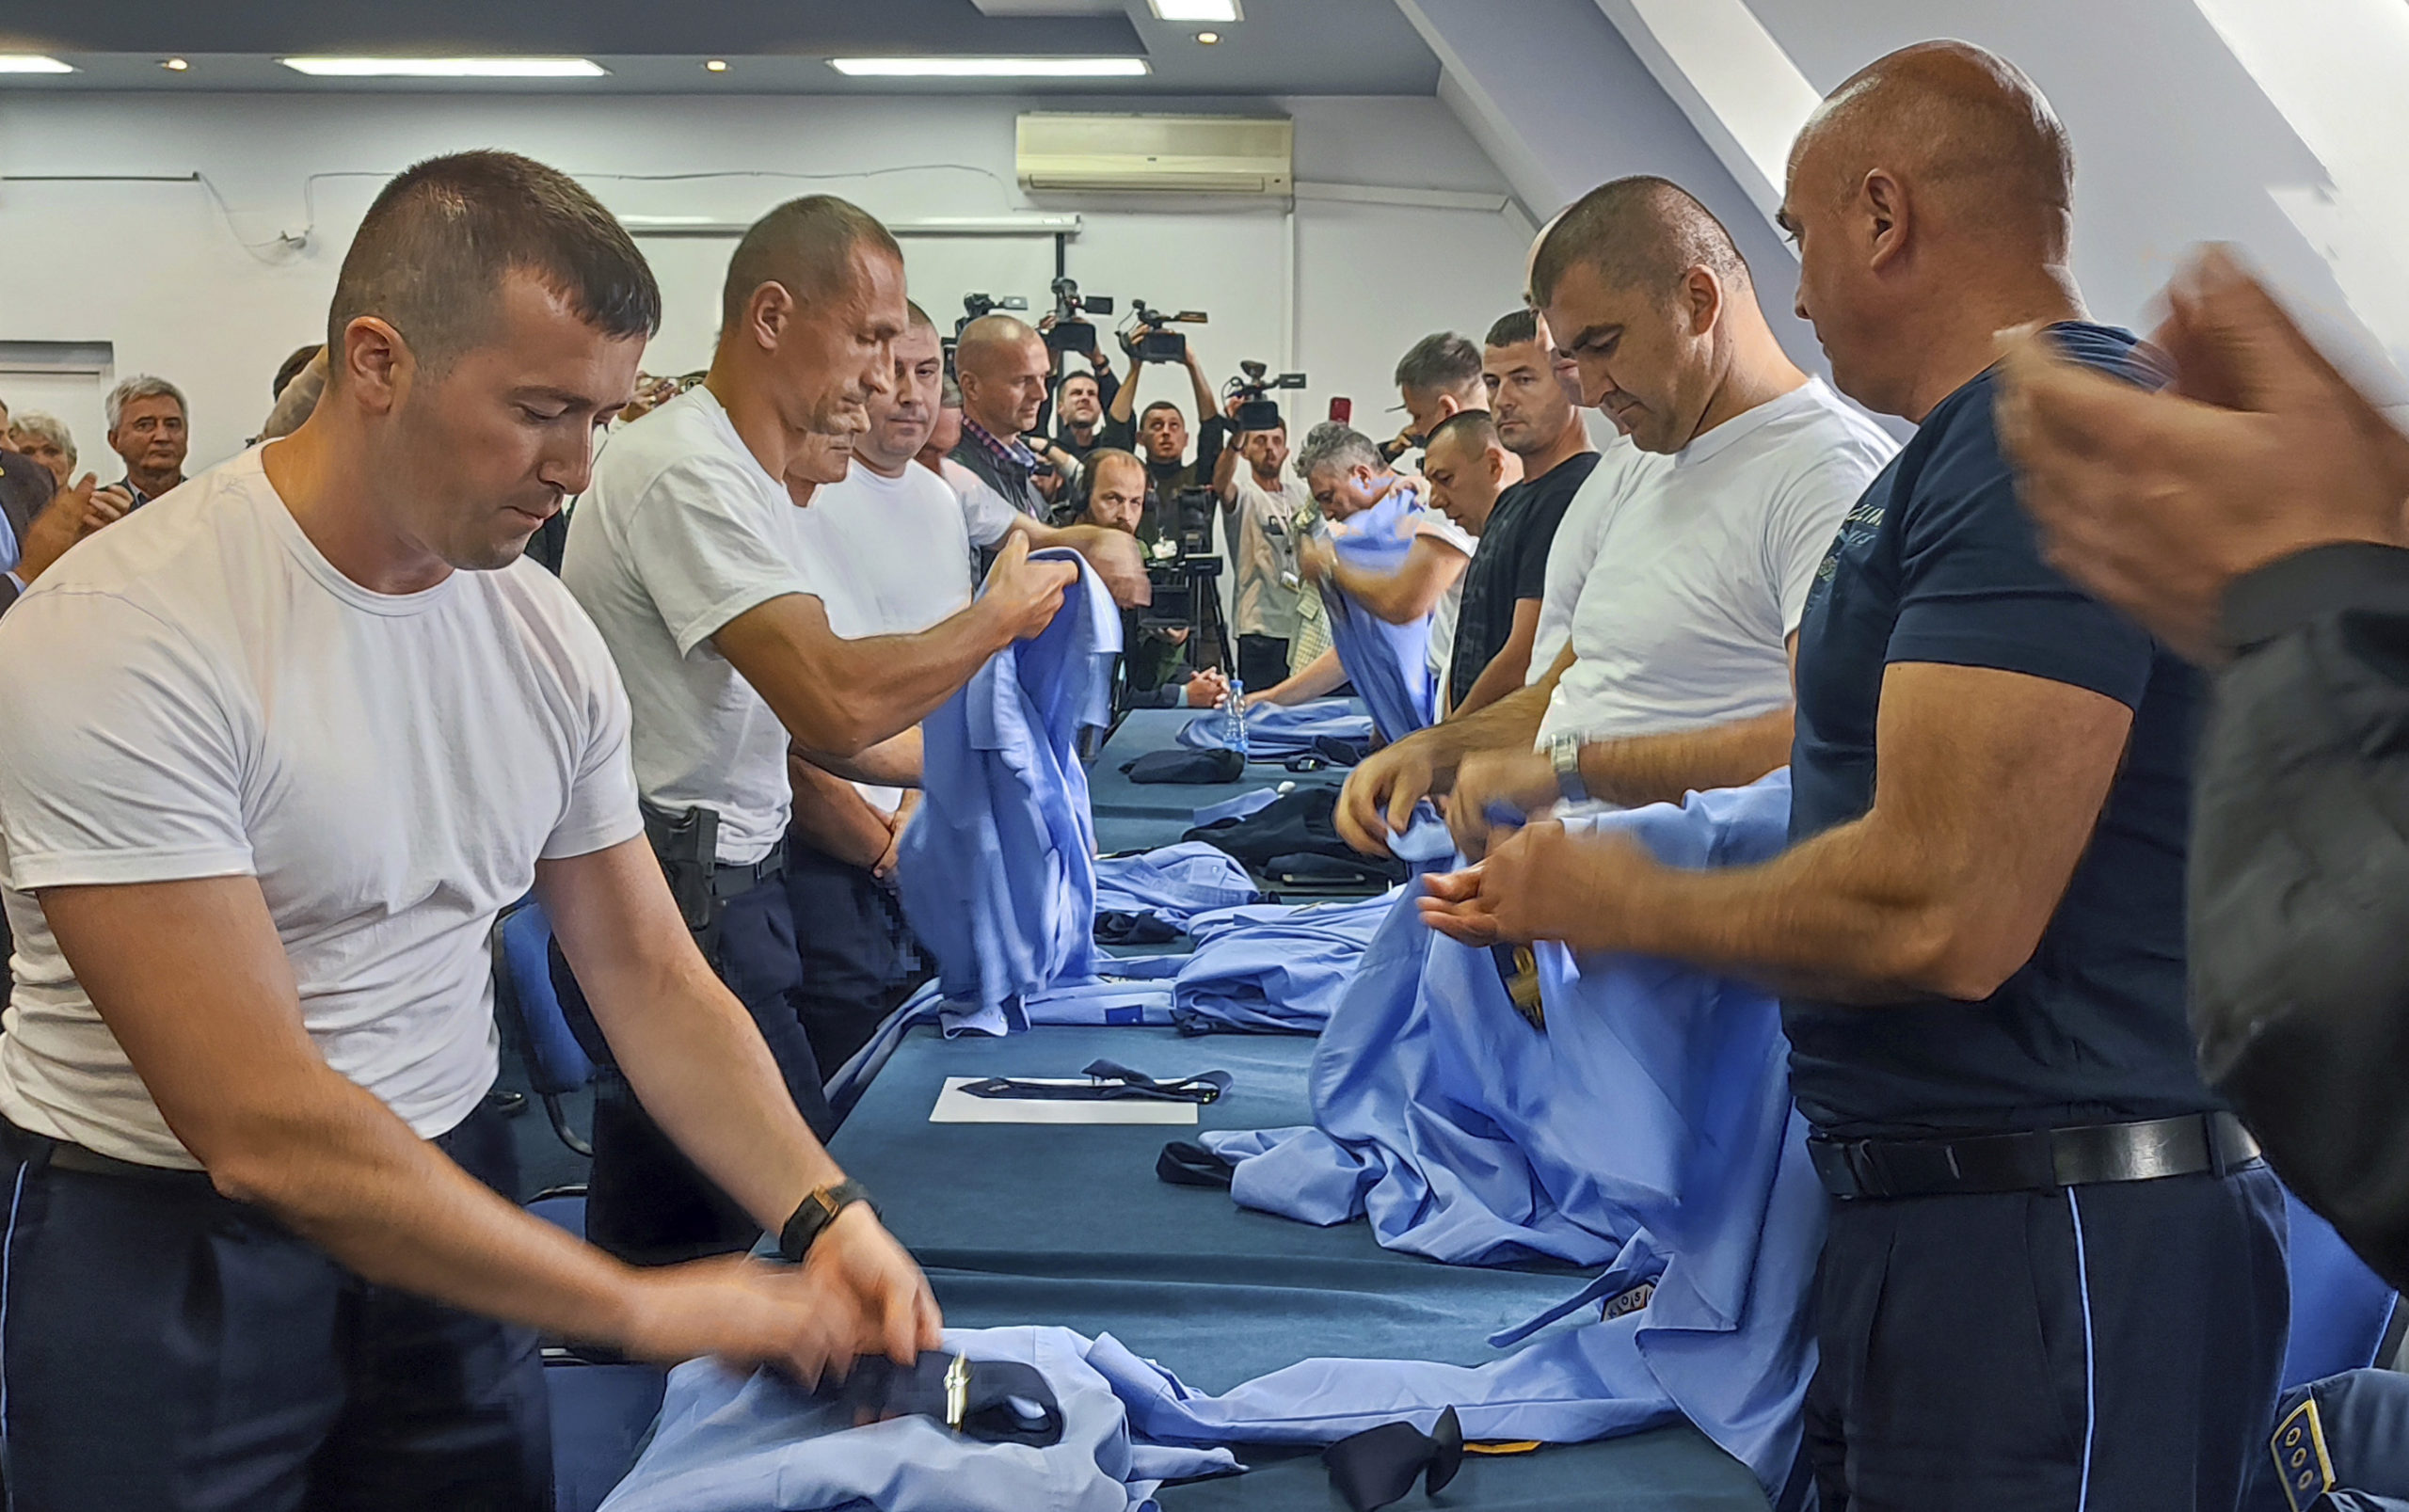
point(1564, 755)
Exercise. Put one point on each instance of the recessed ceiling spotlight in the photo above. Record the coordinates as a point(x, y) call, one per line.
point(717, 65)
point(1195, 9)
point(175, 65)
point(447, 68)
point(32, 63)
point(1209, 37)
point(990, 67)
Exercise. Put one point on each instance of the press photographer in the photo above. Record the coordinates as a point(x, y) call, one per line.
point(1159, 435)
point(1269, 511)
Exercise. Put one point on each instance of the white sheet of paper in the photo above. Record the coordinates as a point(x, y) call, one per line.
point(954, 1106)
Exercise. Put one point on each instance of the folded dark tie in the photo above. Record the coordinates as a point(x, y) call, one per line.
point(1380, 1465)
point(1186, 1164)
point(1115, 926)
point(1112, 1082)
point(994, 1401)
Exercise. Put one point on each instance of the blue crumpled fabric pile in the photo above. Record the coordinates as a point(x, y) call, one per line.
point(732, 1443)
point(1274, 733)
point(1173, 882)
point(1649, 1130)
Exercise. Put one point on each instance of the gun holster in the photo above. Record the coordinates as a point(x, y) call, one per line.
point(687, 846)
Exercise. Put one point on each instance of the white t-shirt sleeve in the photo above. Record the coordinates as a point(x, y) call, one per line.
point(124, 763)
point(697, 543)
point(601, 810)
point(1438, 528)
point(1806, 516)
point(987, 514)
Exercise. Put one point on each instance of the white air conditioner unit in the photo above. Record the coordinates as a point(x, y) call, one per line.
point(1156, 154)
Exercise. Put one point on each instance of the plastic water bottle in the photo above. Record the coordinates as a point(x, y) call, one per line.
point(1233, 717)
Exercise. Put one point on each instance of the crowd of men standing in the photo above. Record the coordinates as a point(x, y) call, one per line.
point(328, 724)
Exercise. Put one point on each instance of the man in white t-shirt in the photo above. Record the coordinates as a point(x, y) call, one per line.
point(897, 537)
point(1345, 476)
point(1677, 672)
point(691, 555)
point(325, 726)
point(1268, 510)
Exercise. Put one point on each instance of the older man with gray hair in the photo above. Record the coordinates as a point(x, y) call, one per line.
point(148, 428)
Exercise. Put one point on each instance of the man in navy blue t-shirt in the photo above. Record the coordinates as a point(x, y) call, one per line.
point(2055, 1272)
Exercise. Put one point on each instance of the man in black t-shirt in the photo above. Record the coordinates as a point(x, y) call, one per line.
point(1477, 483)
point(2054, 1269)
point(1534, 415)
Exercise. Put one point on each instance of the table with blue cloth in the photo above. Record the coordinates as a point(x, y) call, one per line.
point(1068, 1225)
point(1132, 816)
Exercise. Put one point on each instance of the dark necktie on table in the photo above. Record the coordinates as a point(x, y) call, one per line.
point(1113, 1082)
point(1380, 1465)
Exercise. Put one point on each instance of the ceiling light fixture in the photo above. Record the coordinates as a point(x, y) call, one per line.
point(175, 65)
point(990, 67)
point(1209, 37)
point(717, 65)
point(446, 68)
point(32, 63)
point(1194, 10)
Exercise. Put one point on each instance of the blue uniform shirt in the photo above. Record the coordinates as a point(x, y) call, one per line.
point(1938, 563)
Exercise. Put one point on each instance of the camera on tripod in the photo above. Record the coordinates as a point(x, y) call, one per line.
point(1256, 411)
point(1185, 567)
point(1071, 331)
point(1151, 343)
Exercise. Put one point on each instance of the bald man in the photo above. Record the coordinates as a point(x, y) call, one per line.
point(1003, 367)
point(689, 553)
point(2054, 1274)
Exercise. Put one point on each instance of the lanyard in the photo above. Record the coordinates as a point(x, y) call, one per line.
point(1110, 1082)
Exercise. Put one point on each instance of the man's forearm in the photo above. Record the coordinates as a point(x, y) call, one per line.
point(839, 697)
point(1388, 594)
point(1321, 675)
point(1510, 724)
point(894, 762)
point(1661, 769)
point(833, 818)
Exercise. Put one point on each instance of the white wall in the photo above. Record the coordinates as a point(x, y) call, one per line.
point(163, 272)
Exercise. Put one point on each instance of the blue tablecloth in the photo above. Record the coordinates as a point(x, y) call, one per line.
point(1132, 816)
point(1068, 1225)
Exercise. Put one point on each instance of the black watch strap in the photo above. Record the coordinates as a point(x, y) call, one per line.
point(818, 1211)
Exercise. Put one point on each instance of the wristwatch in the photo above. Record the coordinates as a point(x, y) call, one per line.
point(1564, 755)
point(818, 1211)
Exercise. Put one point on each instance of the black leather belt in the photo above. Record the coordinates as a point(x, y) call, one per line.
point(735, 881)
point(2035, 1159)
point(75, 1157)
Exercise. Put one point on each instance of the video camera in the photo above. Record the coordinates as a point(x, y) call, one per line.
point(1151, 343)
point(975, 305)
point(1071, 331)
point(1183, 565)
point(1255, 412)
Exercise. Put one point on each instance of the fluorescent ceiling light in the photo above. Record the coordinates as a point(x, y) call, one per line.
point(991, 68)
point(447, 68)
point(32, 63)
point(1194, 10)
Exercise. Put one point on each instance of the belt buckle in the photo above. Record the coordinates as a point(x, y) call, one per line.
point(957, 1392)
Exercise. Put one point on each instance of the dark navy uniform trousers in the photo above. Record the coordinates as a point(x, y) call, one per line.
point(2108, 1348)
point(167, 1349)
point(647, 1203)
point(858, 959)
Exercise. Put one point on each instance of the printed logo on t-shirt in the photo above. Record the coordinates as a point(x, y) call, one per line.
point(1856, 528)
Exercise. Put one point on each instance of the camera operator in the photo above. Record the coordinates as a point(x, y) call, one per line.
point(1152, 656)
point(1159, 435)
point(1268, 510)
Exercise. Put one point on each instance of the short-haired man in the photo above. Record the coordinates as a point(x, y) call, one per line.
point(1079, 399)
point(898, 538)
point(1438, 376)
point(1154, 659)
point(1159, 434)
point(1470, 477)
point(1267, 509)
point(27, 480)
point(1534, 405)
point(1002, 367)
point(688, 550)
point(1346, 475)
point(147, 425)
point(328, 727)
point(1677, 670)
point(2054, 1273)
